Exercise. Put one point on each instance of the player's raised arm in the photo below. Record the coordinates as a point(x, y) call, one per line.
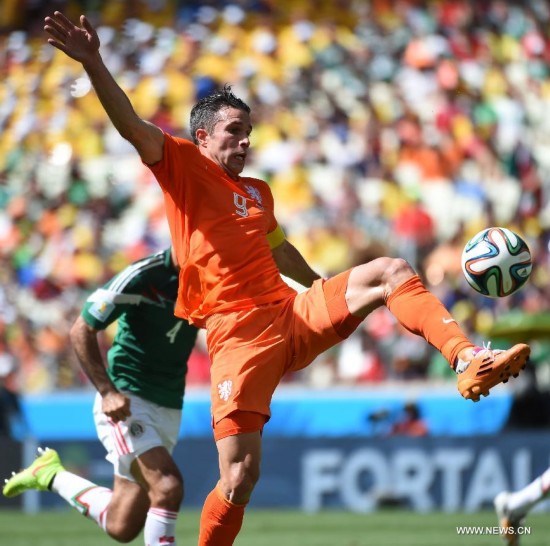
point(81, 43)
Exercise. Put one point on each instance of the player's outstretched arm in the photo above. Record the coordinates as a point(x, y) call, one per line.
point(293, 265)
point(81, 43)
point(84, 339)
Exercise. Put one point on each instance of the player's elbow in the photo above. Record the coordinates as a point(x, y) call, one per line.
point(146, 138)
point(134, 131)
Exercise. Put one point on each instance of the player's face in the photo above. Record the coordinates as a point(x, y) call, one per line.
point(228, 142)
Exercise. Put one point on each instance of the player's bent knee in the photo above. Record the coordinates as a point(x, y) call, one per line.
point(381, 271)
point(167, 492)
point(241, 482)
point(397, 271)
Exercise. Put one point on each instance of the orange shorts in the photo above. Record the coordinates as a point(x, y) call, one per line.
point(251, 350)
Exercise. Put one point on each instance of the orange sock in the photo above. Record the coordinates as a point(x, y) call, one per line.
point(221, 520)
point(423, 314)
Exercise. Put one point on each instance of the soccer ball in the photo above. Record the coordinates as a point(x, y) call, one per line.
point(496, 262)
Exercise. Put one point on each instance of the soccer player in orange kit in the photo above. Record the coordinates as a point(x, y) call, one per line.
point(231, 252)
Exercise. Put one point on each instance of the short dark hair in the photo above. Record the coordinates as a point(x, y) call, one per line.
point(204, 114)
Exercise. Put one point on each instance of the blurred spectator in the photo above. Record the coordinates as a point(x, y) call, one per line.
point(12, 420)
point(405, 421)
point(411, 423)
point(359, 360)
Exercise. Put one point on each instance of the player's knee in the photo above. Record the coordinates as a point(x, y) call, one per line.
point(382, 272)
point(167, 492)
point(395, 271)
point(241, 482)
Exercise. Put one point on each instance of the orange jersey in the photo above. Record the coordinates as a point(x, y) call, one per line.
point(219, 230)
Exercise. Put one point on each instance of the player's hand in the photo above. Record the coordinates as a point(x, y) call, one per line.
point(116, 406)
point(81, 43)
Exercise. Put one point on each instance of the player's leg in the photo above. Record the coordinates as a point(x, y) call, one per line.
point(159, 475)
point(350, 296)
point(135, 446)
point(392, 282)
point(243, 381)
point(513, 507)
point(239, 459)
point(125, 515)
point(120, 511)
point(507, 521)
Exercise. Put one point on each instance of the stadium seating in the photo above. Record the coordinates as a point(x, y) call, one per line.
point(381, 131)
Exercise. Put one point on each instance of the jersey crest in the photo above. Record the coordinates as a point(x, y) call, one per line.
point(224, 389)
point(254, 194)
point(137, 428)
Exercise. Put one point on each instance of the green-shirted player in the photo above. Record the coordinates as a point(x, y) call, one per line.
point(138, 405)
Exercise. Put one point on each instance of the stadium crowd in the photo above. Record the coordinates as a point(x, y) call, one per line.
point(384, 128)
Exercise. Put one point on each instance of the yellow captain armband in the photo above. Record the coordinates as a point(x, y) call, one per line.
point(276, 237)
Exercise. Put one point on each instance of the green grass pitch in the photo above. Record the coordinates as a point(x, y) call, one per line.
point(283, 528)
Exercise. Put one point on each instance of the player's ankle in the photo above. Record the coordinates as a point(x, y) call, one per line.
point(463, 359)
point(465, 354)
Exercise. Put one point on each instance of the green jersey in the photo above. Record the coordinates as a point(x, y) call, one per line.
point(151, 347)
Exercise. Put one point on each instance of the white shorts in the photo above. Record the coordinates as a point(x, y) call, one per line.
point(149, 426)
